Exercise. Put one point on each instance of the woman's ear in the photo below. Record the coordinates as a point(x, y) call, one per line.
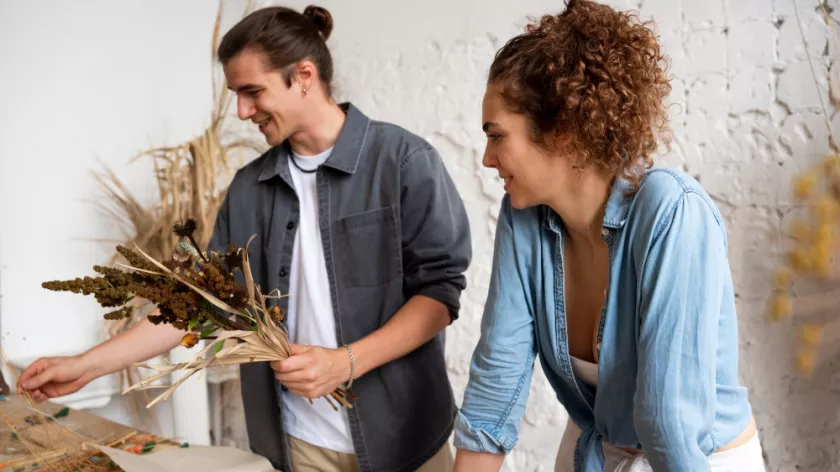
point(563, 144)
point(564, 139)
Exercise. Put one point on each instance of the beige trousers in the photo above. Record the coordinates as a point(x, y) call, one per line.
point(310, 458)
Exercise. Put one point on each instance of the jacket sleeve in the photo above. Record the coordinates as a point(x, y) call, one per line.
point(435, 230)
point(680, 296)
point(220, 237)
point(502, 364)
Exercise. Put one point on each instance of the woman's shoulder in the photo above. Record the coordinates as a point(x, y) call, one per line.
point(662, 189)
point(665, 193)
point(661, 185)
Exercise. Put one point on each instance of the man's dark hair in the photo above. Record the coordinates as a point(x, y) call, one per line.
point(285, 37)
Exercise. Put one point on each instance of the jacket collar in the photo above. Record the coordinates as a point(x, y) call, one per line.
point(615, 213)
point(345, 156)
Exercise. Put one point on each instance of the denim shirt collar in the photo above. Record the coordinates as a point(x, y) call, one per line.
point(346, 153)
point(615, 214)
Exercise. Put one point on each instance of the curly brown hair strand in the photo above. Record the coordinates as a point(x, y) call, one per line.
point(594, 76)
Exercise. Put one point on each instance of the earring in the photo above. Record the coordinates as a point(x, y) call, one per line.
point(304, 91)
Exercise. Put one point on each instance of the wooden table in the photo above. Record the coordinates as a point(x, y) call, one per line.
point(50, 434)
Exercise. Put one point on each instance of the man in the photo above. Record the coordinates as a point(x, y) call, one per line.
point(360, 223)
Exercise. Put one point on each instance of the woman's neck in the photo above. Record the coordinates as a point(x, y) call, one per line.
point(581, 205)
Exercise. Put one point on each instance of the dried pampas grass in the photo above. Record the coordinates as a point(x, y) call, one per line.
point(192, 180)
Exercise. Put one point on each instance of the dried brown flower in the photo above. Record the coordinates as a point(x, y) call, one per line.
point(276, 313)
point(233, 258)
point(185, 229)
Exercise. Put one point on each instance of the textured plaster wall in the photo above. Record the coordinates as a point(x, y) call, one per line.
point(745, 117)
point(94, 82)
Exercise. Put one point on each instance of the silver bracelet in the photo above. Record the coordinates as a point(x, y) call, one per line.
point(352, 366)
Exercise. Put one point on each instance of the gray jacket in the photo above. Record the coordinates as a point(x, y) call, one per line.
point(393, 226)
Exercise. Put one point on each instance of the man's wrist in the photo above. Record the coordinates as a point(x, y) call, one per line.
point(341, 363)
point(351, 371)
point(92, 363)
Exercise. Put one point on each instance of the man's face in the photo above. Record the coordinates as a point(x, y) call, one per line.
point(263, 96)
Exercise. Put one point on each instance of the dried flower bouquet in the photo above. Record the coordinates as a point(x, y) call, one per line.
point(196, 292)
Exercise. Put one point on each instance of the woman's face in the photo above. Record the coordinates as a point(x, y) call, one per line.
point(532, 177)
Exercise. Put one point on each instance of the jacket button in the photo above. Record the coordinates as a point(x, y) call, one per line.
point(290, 225)
point(283, 272)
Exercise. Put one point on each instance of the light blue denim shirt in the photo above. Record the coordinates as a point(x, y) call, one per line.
point(667, 341)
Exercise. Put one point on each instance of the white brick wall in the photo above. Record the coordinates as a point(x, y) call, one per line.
point(745, 117)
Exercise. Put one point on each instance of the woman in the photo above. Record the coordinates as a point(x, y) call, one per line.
point(613, 273)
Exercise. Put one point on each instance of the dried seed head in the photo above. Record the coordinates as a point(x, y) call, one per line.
point(185, 229)
point(119, 314)
point(825, 209)
point(805, 361)
point(276, 313)
point(783, 277)
point(803, 185)
point(189, 340)
point(781, 306)
point(183, 257)
point(811, 334)
point(801, 260)
point(233, 258)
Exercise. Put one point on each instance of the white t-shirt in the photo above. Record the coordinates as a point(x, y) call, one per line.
point(310, 316)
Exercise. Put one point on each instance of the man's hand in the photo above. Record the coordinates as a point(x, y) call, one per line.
point(51, 377)
point(313, 371)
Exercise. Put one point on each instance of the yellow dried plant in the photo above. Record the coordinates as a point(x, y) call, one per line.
point(816, 235)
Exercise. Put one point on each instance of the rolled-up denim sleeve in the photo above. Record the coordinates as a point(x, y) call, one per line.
point(680, 294)
point(502, 364)
point(435, 230)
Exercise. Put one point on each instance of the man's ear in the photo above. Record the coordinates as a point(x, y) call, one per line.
point(306, 75)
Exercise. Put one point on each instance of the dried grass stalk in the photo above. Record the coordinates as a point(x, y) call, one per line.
point(44, 442)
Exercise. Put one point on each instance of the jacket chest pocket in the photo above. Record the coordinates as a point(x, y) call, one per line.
point(368, 248)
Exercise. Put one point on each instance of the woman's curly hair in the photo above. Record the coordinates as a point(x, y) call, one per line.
point(594, 75)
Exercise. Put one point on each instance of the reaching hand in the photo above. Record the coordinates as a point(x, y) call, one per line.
point(313, 371)
point(51, 377)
